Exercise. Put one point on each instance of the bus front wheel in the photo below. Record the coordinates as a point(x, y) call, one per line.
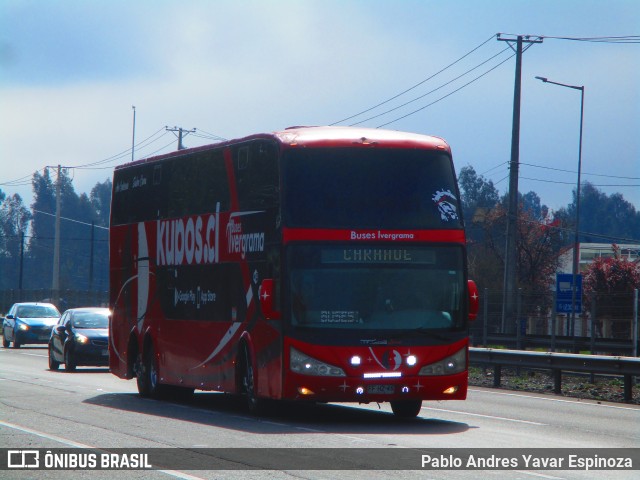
point(255, 404)
point(406, 408)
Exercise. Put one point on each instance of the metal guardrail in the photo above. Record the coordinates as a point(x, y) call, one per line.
point(628, 367)
point(520, 342)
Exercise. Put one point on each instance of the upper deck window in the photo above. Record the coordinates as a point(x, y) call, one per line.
point(370, 188)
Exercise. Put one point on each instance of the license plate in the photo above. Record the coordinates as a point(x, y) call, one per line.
point(44, 337)
point(381, 389)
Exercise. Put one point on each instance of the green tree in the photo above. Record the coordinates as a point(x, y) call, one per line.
point(41, 241)
point(478, 195)
point(602, 216)
point(101, 201)
point(14, 222)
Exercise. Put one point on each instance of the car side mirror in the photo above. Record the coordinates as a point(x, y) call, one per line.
point(61, 329)
point(266, 293)
point(474, 299)
point(9, 317)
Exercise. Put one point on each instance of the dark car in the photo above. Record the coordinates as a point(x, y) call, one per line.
point(81, 337)
point(29, 322)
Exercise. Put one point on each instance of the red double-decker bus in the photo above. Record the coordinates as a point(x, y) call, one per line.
point(321, 264)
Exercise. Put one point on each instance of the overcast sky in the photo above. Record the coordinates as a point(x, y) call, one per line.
point(71, 70)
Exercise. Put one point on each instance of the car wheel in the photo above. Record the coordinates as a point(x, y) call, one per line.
point(69, 362)
point(406, 408)
point(53, 364)
point(5, 342)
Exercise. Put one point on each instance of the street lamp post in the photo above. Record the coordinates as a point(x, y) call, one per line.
point(576, 242)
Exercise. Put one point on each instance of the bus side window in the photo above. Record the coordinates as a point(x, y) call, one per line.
point(257, 176)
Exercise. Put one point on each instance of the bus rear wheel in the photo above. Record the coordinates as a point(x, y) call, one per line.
point(147, 374)
point(406, 408)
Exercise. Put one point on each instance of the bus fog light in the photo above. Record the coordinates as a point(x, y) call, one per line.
point(450, 390)
point(305, 391)
point(412, 360)
point(355, 360)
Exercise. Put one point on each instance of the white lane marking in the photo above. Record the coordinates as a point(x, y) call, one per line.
point(541, 475)
point(71, 443)
point(485, 416)
point(584, 402)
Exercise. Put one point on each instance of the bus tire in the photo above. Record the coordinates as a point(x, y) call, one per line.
point(147, 374)
point(406, 408)
point(256, 405)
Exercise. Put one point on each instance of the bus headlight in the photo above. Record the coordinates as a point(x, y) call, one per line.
point(455, 363)
point(306, 365)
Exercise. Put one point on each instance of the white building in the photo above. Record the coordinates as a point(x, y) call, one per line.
point(590, 251)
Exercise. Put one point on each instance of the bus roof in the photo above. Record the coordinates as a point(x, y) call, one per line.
point(319, 137)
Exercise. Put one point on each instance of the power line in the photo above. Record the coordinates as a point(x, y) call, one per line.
point(622, 39)
point(583, 173)
point(432, 91)
point(126, 152)
point(414, 86)
point(604, 39)
point(212, 135)
point(70, 219)
point(447, 95)
point(573, 183)
point(501, 164)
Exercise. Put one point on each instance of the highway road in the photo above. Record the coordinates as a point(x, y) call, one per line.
point(93, 409)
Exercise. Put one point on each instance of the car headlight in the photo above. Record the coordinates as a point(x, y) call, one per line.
point(455, 363)
point(306, 365)
point(23, 326)
point(81, 338)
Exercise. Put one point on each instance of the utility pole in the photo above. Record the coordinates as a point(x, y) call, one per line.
point(21, 262)
point(133, 139)
point(55, 283)
point(509, 322)
point(181, 134)
point(93, 226)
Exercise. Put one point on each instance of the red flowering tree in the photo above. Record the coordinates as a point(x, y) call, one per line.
point(610, 282)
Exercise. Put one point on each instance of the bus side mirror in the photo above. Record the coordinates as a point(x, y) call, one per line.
point(474, 299)
point(266, 292)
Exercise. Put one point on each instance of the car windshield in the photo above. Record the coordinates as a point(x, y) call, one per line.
point(37, 311)
point(90, 320)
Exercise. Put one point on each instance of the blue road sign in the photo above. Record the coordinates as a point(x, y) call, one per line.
point(564, 293)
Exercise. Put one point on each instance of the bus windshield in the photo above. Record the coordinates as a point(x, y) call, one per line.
point(370, 188)
point(376, 287)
